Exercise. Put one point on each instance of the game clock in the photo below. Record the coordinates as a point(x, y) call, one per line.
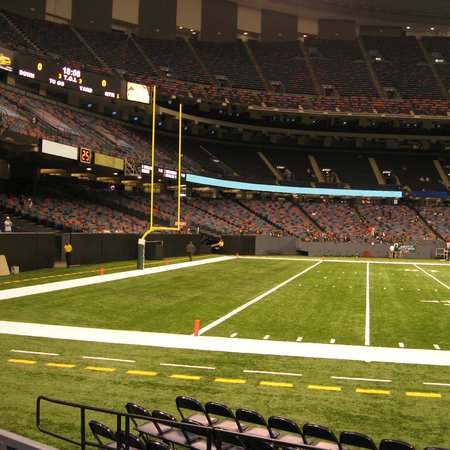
point(66, 76)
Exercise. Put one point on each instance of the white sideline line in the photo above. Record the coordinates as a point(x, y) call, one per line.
point(35, 353)
point(436, 384)
point(374, 380)
point(187, 366)
point(255, 300)
point(101, 358)
point(68, 284)
point(400, 263)
point(432, 276)
point(232, 335)
point(367, 335)
point(285, 374)
point(236, 345)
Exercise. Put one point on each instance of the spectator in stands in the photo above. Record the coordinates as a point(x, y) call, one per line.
point(8, 224)
point(68, 251)
point(190, 250)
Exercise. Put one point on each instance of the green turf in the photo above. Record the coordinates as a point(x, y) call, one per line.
point(325, 302)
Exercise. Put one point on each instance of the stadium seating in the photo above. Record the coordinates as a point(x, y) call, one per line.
point(323, 437)
point(185, 403)
point(226, 419)
point(291, 431)
point(395, 444)
point(355, 439)
point(145, 428)
point(193, 68)
point(254, 423)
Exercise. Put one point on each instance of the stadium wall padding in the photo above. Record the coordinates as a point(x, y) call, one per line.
point(29, 251)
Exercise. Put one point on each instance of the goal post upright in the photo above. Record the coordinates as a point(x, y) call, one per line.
point(152, 227)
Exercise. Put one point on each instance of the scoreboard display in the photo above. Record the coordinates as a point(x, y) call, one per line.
point(65, 76)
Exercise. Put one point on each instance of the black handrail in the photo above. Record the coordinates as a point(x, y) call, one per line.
point(214, 435)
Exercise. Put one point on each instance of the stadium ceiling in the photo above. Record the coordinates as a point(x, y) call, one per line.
point(395, 12)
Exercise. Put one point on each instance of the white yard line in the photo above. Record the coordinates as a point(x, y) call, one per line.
point(285, 374)
point(367, 334)
point(68, 284)
point(235, 345)
point(102, 358)
point(373, 380)
point(432, 276)
point(35, 353)
point(255, 300)
point(187, 366)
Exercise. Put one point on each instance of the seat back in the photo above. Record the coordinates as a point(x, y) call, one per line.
point(355, 439)
point(138, 410)
point(321, 432)
point(278, 423)
point(158, 414)
point(395, 444)
point(184, 403)
point(130, 440)
point(219, 409)
point(156, 445)
point(248, 416)
point(100, 430)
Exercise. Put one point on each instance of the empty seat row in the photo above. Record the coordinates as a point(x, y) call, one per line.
point(214, 426)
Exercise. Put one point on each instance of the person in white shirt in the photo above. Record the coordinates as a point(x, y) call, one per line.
point(8, 224)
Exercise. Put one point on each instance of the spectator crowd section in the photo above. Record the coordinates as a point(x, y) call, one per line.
point(391, 75)
point(71, 205)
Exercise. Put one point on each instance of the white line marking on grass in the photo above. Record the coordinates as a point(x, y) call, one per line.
point(267, 336)
point(35, 353)
point(430, 301)
point(367, 329)
point(436, 347)
point(255, 300)
point(432, 276)
point(374, 380)
point(68, 284)
point(436, 384)
point(332, 341)
point(233, 335)
point(100, 358)
point(284, 374)
point(187, 366)
point(299, 339)
point(225, 344)
point(401, 344)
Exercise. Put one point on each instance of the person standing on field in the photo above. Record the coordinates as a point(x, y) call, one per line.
point(68, 251)
point(190, 250)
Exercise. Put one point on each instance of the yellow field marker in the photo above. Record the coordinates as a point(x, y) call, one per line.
point(186, 377)
point(100, 369)
point(142, 372)
point(61, 365)
point(230, 380)
point(325, 388)
point(372, 391)
point(424, 394)
point(275, 384)
point(22, 361)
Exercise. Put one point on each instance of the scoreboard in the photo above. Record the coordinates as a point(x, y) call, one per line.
point(67, 76)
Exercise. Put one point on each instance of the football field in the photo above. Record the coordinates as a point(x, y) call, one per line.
point(329, 341)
